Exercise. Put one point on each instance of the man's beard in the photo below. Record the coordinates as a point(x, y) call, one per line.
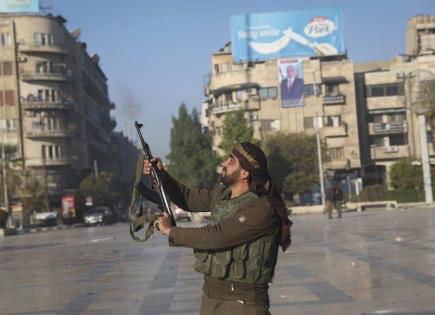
point(229, 179)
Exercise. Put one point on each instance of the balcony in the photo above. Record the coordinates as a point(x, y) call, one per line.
point(388, 153)
point(222, 109)
point(46, 76)
point(37, 134)
point(253, 104)
point(51, 49)
point(339, 131)
point(42, 105)
point(387, 128)
point(334, 99)
point(337, 164)
point(385, 103)
point(48, 162)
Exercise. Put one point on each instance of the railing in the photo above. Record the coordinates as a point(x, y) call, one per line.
point(46, 76)
point(387, 128)
point(338, 131)
point(46, 105)
point(225, 108)
point(49, 134)
point(54, 49)
point(334, 99)
point(389, 152)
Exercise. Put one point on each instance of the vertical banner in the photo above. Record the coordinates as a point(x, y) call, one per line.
point(68, 206)
point(291, 78)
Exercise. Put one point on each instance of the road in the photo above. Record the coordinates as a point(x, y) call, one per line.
point(375, 262)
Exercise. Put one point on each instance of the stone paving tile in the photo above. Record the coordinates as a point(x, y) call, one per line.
point(378, 262)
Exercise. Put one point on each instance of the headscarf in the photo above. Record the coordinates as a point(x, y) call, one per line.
point(253, 160)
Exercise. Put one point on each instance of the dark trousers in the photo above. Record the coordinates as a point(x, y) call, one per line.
point(213, 306)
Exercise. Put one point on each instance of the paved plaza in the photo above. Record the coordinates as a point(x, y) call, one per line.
point(375, 262)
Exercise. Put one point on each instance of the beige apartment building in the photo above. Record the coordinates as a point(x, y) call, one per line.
point(54, 101)
point(389, 117)
point(330, 104)
point(365, 112)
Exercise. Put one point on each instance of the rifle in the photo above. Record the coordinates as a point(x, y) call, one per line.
point(159, 193)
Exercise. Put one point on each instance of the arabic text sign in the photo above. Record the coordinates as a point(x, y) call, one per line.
point(266, 36)
point(16, 6)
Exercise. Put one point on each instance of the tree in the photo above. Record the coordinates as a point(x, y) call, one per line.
point(13, 181)
point(405, 175)
point(293, 162)
point(191, 159)
point(106, 189)
point(235, 129)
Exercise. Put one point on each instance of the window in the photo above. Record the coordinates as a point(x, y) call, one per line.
point(7, 124)
point(6, 68)
point(268, 93)
point(332, 89)
point(308, 122)
point(9, 97)
point(312, 89)
point(333, 121)
point(380, 90)
point(336, 153)
point(5, 40)
point(396, 118)
point(50, 152)
point(398, 140)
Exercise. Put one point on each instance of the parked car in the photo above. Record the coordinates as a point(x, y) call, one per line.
point(99, 215)
point(47, 218)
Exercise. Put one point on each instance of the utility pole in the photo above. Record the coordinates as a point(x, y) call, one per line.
point(4, 130)
point(421, 114)
point(319, 158)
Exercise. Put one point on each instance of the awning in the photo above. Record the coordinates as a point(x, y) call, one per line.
point(337, 79)
point(234, 87)
point(387, 110)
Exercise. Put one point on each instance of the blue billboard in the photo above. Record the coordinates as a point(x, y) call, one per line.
point(19, 6)
point(275, 35)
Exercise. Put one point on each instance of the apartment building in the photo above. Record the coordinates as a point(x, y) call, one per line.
point(420, 34)
point(54, 101)
point(254, 87)
point(387, 94)
point(366, 112)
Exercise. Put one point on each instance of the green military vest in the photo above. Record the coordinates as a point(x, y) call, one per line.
point(253, 262)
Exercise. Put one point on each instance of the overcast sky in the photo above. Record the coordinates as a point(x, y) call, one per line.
point(156, 53)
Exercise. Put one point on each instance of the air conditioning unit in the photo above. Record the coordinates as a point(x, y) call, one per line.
point(252, 91)
point(22, 59)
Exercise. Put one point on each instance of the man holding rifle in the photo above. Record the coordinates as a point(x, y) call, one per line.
point(237, 251)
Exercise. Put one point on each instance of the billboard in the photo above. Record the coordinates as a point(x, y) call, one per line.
point(291, 78)
point(18, 6)
point(274, 35)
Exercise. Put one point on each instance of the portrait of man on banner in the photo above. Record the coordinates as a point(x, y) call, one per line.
point(291, 82)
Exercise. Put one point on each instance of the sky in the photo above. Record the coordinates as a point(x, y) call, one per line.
point(156, 53)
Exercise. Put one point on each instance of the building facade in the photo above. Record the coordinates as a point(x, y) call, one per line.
point(365, 112)
point(55, 107)
point(329, 103)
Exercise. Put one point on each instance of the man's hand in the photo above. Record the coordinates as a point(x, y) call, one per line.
point(164, 225)
point(148, 164)
point(286, 237)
